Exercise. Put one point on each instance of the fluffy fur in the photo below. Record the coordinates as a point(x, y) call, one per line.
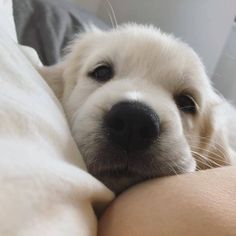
point(150, 67)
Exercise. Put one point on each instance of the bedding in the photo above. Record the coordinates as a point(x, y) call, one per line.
point(45, 188)
point(49, 25)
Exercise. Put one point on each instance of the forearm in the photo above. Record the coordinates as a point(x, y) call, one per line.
point(202, 203)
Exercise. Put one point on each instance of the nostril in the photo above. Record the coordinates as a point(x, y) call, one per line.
point(117, 125)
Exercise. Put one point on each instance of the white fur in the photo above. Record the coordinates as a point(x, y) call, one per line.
point(150, 67)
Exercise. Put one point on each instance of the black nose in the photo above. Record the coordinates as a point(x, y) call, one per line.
point(132, 125)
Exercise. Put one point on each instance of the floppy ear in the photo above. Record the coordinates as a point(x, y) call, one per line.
point(53, 75)
point(214, 148)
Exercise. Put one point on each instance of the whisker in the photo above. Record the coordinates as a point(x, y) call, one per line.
point(210, 152)
point(205, 164)
point(219, 165)
point(198, 168)
point(213, 162)
point(172, 169)
point(173, 142)
point(111, 14)
point(201, 160)
point(205, 138)
point(217, 149)
point(110, 17)
point(207, 161)
point(217, 146)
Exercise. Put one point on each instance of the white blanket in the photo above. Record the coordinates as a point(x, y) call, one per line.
point(45, 189)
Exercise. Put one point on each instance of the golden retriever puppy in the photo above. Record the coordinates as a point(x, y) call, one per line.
point(140, 106)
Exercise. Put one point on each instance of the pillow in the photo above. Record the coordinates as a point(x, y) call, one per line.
point(48, 25)
point(45, 189)
point(6, 18)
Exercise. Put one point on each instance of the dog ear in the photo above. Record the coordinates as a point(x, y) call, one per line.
point(214, 149)
point(53, 75)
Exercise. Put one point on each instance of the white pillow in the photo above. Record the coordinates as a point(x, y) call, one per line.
point(6, 18)
point(45, 189)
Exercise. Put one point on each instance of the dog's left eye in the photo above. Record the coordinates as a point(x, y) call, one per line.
point(102, 73)
point(186, 104)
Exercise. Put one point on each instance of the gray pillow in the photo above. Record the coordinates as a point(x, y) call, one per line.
point(48, 25)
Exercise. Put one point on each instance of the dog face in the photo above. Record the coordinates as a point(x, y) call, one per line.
point(139, 105)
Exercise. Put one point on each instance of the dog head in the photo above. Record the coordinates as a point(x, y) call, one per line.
point(139, 105)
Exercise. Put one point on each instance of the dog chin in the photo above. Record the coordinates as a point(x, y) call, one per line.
point(120, 180)
point(119, 170)
point(119, 183)
point(121, 175)
point(125, 170)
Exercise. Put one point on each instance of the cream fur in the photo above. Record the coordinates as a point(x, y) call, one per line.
point(151, 67)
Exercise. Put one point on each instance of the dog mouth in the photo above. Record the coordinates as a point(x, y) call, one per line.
point(120, 179)
point(124, 173)
point(119, 170)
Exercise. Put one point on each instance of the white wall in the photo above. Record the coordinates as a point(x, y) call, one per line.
point(224, 77)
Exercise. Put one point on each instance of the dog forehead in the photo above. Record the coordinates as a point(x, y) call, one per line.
point(143, 52)
point(147, 44)
point(149, 53)
point(142, 49)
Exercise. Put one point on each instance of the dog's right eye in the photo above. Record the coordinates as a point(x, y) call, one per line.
point(186, 103)
point(102, 73)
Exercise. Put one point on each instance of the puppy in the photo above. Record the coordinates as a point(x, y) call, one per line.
point(140, 106)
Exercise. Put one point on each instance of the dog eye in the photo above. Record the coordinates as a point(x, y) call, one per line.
point(102, 73)
point(186, 104)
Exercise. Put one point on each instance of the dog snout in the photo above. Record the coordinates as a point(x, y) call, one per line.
point(133, 126)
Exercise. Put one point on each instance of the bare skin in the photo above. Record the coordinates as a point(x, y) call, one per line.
point(202, 203)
